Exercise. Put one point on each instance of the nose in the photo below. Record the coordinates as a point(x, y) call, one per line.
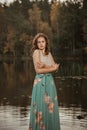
point(41, 42)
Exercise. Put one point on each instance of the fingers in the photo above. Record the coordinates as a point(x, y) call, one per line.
point(40, 64)
point(56, 66)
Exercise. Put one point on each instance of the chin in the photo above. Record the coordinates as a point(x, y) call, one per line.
point(41, 48)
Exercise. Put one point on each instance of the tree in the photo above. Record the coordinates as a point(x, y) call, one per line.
point(45, 28)
point(25, 6)
point(54, 17)
point(84, 17)
point(3, 28)
point(44, 6)
point(34, 18)
point(69, 26)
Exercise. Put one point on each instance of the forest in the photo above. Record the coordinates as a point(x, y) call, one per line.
point(65, 23)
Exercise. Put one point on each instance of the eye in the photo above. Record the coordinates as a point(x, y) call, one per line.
point(43, 41)
point(38, 41)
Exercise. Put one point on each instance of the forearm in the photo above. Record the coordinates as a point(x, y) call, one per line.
point(42, 65)
point(45, 70)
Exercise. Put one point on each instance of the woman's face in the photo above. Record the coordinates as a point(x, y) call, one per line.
point(41, 43)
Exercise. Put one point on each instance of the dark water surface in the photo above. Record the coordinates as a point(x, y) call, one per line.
point(16, 79)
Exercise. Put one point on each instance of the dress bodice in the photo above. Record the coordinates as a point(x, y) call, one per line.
point(46, 59)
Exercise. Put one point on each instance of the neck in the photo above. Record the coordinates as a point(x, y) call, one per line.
point(43, 51)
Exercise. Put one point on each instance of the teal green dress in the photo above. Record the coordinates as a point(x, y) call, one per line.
point(44, 113)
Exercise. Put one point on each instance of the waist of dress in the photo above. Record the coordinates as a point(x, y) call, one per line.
point(42, 75)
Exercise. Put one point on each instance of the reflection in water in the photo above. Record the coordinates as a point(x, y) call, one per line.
point(69, 117)
point(11, 117)
point(71, 68)
point(16, 81)
point(72, 92)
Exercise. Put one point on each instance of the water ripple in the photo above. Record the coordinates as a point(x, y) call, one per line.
point(11, 117)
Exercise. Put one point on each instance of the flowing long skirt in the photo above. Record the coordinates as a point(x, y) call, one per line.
point(44, 114)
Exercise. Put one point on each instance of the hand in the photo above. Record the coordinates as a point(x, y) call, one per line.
point(56, 66)
point(40, 64)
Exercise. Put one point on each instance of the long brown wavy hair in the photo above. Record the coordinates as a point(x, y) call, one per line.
point(35, 46)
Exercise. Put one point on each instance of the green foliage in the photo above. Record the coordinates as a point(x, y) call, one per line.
point(3, 29)
point(84, 17)
point(68, 28)
point(65, 24)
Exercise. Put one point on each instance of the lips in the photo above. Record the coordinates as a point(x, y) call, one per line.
point(41, 46)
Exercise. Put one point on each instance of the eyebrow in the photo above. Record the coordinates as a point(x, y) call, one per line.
point(40, 40)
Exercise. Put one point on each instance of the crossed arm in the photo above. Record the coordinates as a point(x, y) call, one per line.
point(40, 67)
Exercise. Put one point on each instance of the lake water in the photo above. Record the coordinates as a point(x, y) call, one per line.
point(16, 79)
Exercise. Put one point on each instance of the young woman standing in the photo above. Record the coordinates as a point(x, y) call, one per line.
point(44, 114)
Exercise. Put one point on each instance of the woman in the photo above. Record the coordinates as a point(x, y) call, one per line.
point(44, 113)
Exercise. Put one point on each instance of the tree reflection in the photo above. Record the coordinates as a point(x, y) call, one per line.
point(17, 82)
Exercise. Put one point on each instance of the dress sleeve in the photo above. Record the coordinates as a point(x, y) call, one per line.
point(36, 58)
point(52, 59)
